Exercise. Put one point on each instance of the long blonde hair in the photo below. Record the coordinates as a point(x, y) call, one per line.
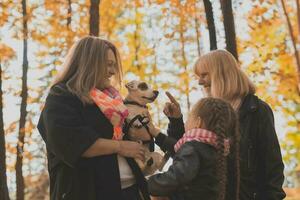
point(85, 67)
point(228, 81)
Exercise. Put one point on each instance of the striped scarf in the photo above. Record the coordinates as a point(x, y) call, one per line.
point(111, 104)
point(204, 136)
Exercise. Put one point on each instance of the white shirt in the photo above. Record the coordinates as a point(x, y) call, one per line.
point(126, 176)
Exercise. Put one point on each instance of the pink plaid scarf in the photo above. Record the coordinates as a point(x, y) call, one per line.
point(111, 104)
point(202, 135)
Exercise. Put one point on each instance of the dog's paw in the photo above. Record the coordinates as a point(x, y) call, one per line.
point(137, 124)
point(146, 121)
point(153, 163)
point(141, 164)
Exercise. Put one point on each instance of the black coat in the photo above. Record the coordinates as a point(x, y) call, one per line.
point(69, 128)
point(261, 165)
point(192, 176)
point(261, 161)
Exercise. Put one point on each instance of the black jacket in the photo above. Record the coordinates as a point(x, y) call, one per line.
point(261, 162)
point(69, 128)
point(261, 165)
point(191, 176)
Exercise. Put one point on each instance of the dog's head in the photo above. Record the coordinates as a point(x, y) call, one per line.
point(141, 92)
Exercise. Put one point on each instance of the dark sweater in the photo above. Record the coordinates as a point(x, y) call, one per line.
point(192, 176)
point(69, 128)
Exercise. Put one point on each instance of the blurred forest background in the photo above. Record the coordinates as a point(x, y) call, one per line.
point(159, 41)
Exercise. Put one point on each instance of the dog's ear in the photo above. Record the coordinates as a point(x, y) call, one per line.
point(131, 85)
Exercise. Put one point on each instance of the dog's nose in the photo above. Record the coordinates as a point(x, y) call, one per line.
point(156, 92)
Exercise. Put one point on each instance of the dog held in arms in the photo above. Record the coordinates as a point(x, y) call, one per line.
point(139, 95)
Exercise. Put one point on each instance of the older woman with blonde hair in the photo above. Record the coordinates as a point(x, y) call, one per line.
point(261, 165)
point(81, 126)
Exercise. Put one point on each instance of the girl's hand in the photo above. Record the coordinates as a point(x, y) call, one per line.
point(172, 108)
point(131, 149)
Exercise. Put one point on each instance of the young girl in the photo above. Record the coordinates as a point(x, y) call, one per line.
point(206, 157)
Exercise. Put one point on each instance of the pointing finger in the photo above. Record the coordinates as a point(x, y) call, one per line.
point(172, 99)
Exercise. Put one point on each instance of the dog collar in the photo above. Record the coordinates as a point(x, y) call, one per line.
point(134, 103)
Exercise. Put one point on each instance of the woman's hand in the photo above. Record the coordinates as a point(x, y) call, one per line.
point(131, 149)
point(172, 108)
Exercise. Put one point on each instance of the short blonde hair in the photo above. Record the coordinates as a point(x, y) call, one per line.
point(85, 66)
point(228, 81)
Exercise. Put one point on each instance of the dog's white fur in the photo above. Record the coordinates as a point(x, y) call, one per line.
point(140, 93)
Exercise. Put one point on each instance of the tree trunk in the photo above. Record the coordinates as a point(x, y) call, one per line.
point(3, 181)
point(69, 39)
point(137, 44)
point(294, 42)
point(197, 29)
point(23, 112)
point(94, 17)
point(69, 18)
point(298, 18)
point(210, 24)
point(229, 27)
point(197, 36)
point(158, 113)
point(184, 63)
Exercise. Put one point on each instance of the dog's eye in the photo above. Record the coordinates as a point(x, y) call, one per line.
point(143, 86)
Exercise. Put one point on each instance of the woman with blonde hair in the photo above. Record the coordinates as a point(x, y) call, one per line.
point(261, 165)
point(81, 126)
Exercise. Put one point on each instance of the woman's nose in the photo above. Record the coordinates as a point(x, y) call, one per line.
point(111, 71)
point(201, 81)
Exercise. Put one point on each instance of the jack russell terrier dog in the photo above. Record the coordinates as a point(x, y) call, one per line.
point(136, 129)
